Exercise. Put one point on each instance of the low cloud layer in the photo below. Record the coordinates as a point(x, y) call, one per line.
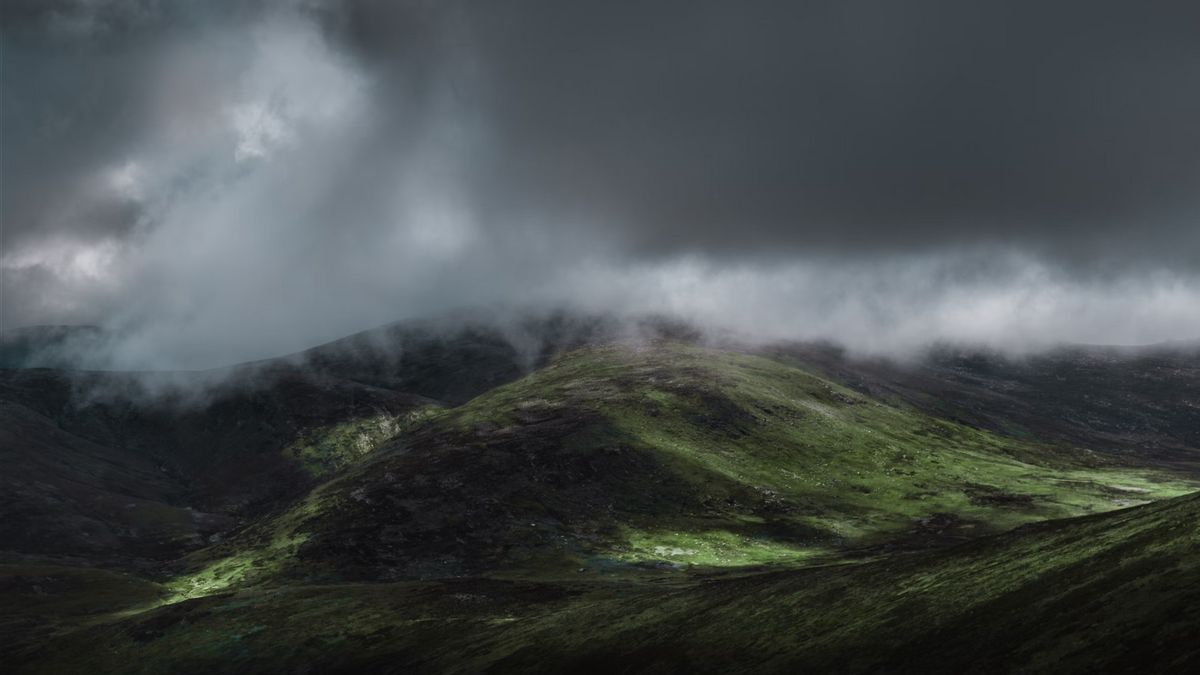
point(221, 181)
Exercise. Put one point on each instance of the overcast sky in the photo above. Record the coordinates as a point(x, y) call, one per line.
point(232, 180)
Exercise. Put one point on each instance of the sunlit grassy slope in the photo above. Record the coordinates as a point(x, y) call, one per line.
point(667, 456)
point(661, 507)
point(1116, 592)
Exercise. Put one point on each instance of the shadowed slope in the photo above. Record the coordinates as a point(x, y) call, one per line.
point(1116, 592)
point(1137, 404)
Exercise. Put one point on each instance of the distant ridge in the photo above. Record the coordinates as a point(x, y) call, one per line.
point(48, 346)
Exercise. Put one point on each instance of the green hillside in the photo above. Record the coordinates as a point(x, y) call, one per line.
point(642, 507)
point(666, 455)
point(1116, 592)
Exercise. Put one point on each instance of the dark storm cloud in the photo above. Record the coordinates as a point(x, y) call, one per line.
point(226, 180)
point(79, 94)
point(850, 124)
point(716, 126)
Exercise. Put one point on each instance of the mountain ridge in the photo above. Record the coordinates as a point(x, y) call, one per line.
point(593, 466)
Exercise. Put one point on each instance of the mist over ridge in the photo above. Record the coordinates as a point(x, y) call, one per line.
point(219, 182)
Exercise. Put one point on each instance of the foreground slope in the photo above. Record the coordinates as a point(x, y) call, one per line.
point(1115, 592)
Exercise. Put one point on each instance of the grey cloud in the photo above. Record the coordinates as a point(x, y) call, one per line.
point(220, 181)
point(717, 127)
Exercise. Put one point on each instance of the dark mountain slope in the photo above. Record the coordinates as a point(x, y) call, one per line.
point(210, 451)
point(1111, 593)
point(1116, 592)
point(231, 445)
point(70, 497)
point(240, 442)
point(1141, 403)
